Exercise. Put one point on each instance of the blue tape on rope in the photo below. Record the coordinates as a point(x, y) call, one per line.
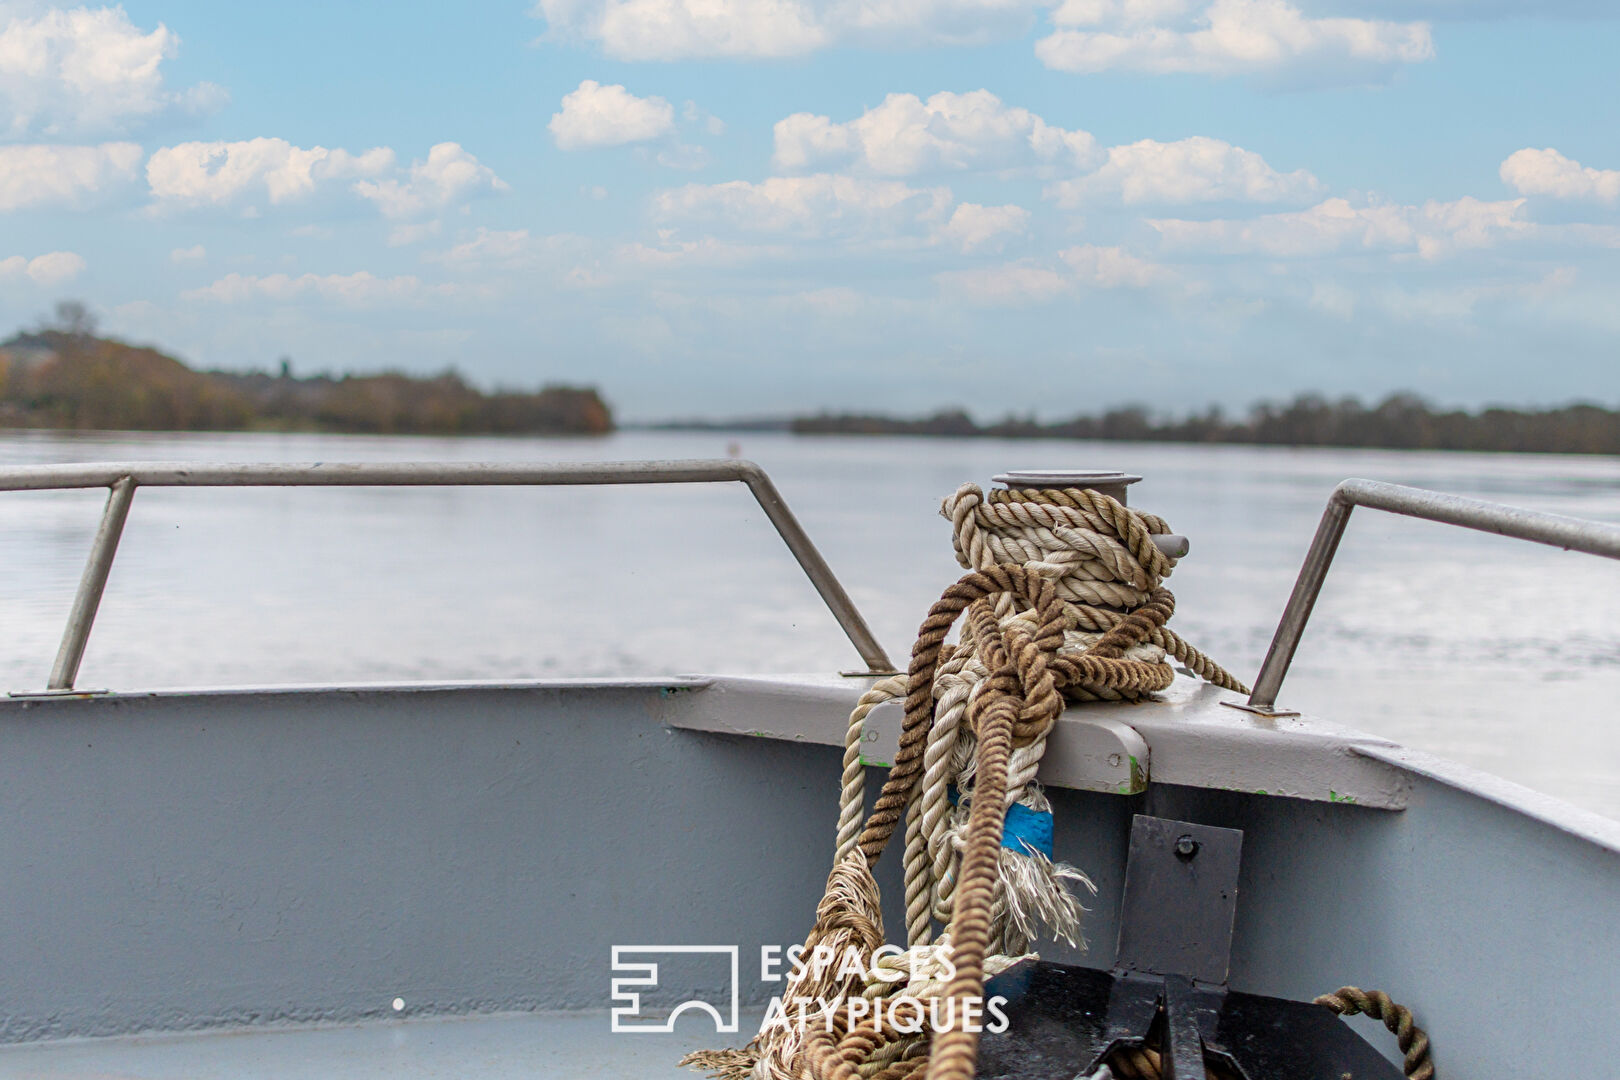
point(1025, 831)
point(1026, 828)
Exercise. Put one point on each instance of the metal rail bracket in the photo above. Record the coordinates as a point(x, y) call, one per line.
point(1181, 883)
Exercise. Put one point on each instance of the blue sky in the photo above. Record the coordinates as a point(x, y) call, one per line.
point(723, 207)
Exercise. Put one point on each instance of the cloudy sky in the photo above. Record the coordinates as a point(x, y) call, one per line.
point(759, 206)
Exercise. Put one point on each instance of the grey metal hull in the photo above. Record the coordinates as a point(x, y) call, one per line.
point(195, 861)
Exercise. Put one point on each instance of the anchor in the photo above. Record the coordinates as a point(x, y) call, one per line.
point(1168, 986)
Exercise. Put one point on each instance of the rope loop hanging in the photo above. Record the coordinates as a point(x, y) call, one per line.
point(1032, 673)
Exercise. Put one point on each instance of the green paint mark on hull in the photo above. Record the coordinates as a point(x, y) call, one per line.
point(1138, 781)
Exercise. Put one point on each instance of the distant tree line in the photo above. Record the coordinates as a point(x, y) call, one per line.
point(1401, 421)
point(63, 376)
point(394, 403)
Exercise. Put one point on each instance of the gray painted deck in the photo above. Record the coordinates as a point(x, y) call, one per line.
point(511, 1046)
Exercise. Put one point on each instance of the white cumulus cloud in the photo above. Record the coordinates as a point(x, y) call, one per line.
point(1336, 226)
point(413, 232)
point(506, 248)
point(1112, 267)
point(1015, 284)
point(1226, 37)
point(224, 173)
point(52, 268)
point(40, 175)
point(905, 136)
point(86, 68)
point(360, 289)
point(196, 253)
point(1192, 170)
point(1213, 37)
point(812, 206)
point(449, 175)
point(1547, 172)
point(596, 115)
point(673, 29)
point(1035, 281)
point(684, 29)
point(972, 227)
point(707, 251)
point(510, 249)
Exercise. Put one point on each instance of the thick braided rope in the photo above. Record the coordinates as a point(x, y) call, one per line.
point(852, 797)
point(876, 1046)
point(1144, 1062)
point(1414, 1043)
point(928, 858)
point(1099, 552)
point(1105, 665)
point(919, 928)
point(849, 917)
point(955, 1052)
point(1094, 549)
point(933, 888)
point(1020, 705)
point(1020, 701)
point(1100, 665)
point(925, 659)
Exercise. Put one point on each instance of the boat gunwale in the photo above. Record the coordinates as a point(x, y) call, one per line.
point(1185, 719)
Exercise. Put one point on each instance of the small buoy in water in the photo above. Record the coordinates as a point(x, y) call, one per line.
point(399, 1004)
point(733, 449)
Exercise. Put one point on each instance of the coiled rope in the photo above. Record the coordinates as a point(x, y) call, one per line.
point(1063, 600)
point(1414, 1044)
point(1144, 1062)
point(1101, 558)
point(1103, 566)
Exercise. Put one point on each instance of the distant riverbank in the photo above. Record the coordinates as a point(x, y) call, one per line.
point(1399, 422)
point(72, 380)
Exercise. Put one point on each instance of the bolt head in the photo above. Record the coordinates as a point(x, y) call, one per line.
point(1186, 846)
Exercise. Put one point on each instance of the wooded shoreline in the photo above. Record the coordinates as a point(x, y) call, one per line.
point(71, 379)
point(1399, 422)
point(66, 377)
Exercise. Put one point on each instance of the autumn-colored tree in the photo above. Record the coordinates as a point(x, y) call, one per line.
point(64, 376)
point(89, 383)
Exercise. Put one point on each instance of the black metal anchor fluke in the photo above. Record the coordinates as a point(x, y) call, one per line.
point(1175, 944)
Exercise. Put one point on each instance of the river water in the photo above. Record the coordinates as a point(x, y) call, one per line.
point(1501, 654)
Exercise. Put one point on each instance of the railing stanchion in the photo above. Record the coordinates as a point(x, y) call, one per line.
point(1291, 627)
point(1554, 530)
point(91, 585)
point(816, 569)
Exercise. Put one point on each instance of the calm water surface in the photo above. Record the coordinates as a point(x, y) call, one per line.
point(1500, 654)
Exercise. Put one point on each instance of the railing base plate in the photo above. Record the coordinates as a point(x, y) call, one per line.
point(1257, 710)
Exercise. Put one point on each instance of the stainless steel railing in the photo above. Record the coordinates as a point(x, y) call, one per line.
point(1572, 534)
point(122, 478)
